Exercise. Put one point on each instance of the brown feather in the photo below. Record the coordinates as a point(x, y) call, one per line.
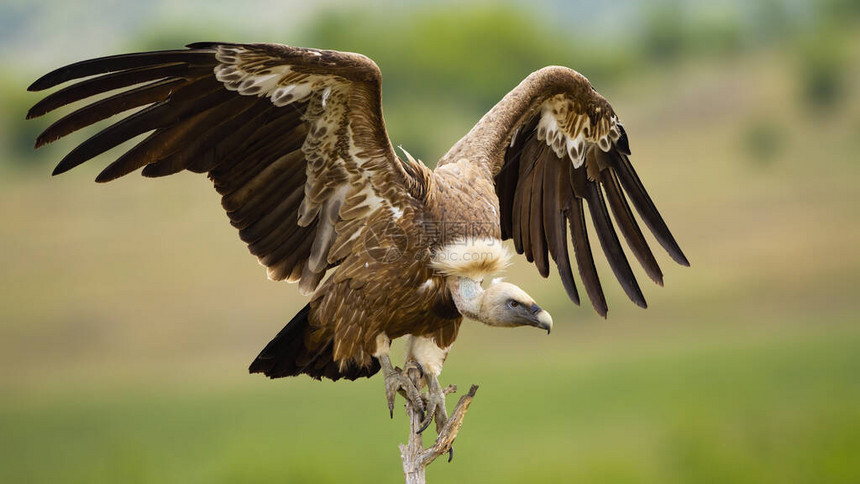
point(105, 108)
point(291, 254)
point(286, 209)
point(114, 80)
point(166, 141)
point(284, 235)
point(121, 62)
point(156, 115)
point(254, 161)
point(291, 187)
point(636, 191)
point(555, 203)
point(611, 246)
point(525, 185)
point(280, 168)
point(629, 227)
point(536, 222)
point(584, 259)
point(226, 136)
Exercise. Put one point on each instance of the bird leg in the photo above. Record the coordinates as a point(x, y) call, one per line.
point(435, 406)
point(396, 380)
point(424, 351)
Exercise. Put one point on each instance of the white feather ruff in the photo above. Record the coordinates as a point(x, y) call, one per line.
point(471, 258)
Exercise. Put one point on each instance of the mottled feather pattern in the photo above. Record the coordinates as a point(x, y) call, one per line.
point(339, 174)
point(570, 128)
point(294, 141)
point(360, 299)
point(555, 147)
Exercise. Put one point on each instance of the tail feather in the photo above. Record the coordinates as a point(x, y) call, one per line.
point(287, 355)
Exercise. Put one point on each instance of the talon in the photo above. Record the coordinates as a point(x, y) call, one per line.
point(396, 381)
point(435, 405)
point(424, 425)
point(414, 365)
point(450, 453)
point(420, 369)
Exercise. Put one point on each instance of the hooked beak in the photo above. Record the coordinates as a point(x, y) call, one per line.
point(540, 318)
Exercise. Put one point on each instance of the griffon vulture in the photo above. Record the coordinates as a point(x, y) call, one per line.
point(294, 141)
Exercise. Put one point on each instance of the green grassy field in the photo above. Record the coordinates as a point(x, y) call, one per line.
point(131, 310)
point(740, 409)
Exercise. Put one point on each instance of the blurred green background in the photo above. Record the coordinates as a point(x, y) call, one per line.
point(130, 311)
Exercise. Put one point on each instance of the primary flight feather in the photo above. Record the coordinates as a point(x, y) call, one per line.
point(295, 143)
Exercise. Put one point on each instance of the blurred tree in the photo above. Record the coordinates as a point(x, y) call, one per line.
point(771, 20)
point(439, 66)
point(845, 12)
point(443, 71)
point(823, 69)
point(663, 36)
point(763, 140)
point(16, 136)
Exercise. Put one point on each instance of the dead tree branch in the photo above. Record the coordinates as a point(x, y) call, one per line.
point(414, 456)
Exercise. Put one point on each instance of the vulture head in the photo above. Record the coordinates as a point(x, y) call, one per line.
point(501, 304)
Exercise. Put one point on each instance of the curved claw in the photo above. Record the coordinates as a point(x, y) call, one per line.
point(410, 368)
point(425, 422)
point(435, 406)
point(397, 382)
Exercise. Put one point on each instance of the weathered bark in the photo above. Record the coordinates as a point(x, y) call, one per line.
point(414, 456)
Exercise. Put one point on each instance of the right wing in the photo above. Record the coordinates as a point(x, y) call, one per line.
point(292, 138)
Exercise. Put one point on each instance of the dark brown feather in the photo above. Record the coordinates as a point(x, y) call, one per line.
point(629, 227)
point(532, 153)
point(584, 259)
point(163, 113)
point(283, 209)
point(277, 165)
point(506, 179)
point(167, 141)
point(120, 62)
point(611, 245)
point(506, 183)
point(114, 80)
point(285, 234)
point(536, 218)
point(211, 146)
point(290, 251)
point(516, 213)
point(636, 191)
point(555, 203)
point(105, 108)
point(232, 178)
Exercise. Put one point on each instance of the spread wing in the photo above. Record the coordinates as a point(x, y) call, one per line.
point(557, 150)
point(292, 138)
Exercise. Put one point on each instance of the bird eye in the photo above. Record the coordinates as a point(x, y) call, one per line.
point(513, 304)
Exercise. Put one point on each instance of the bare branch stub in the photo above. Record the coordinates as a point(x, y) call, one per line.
point(447, 435)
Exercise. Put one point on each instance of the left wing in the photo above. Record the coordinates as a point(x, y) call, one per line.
point(551, 144)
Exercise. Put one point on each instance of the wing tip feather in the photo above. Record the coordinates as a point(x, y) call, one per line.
point(107, 175)
point(61, 168)
point(206, 45)
point(41, 83)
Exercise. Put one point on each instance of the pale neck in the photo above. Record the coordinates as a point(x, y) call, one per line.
point(468, 296)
